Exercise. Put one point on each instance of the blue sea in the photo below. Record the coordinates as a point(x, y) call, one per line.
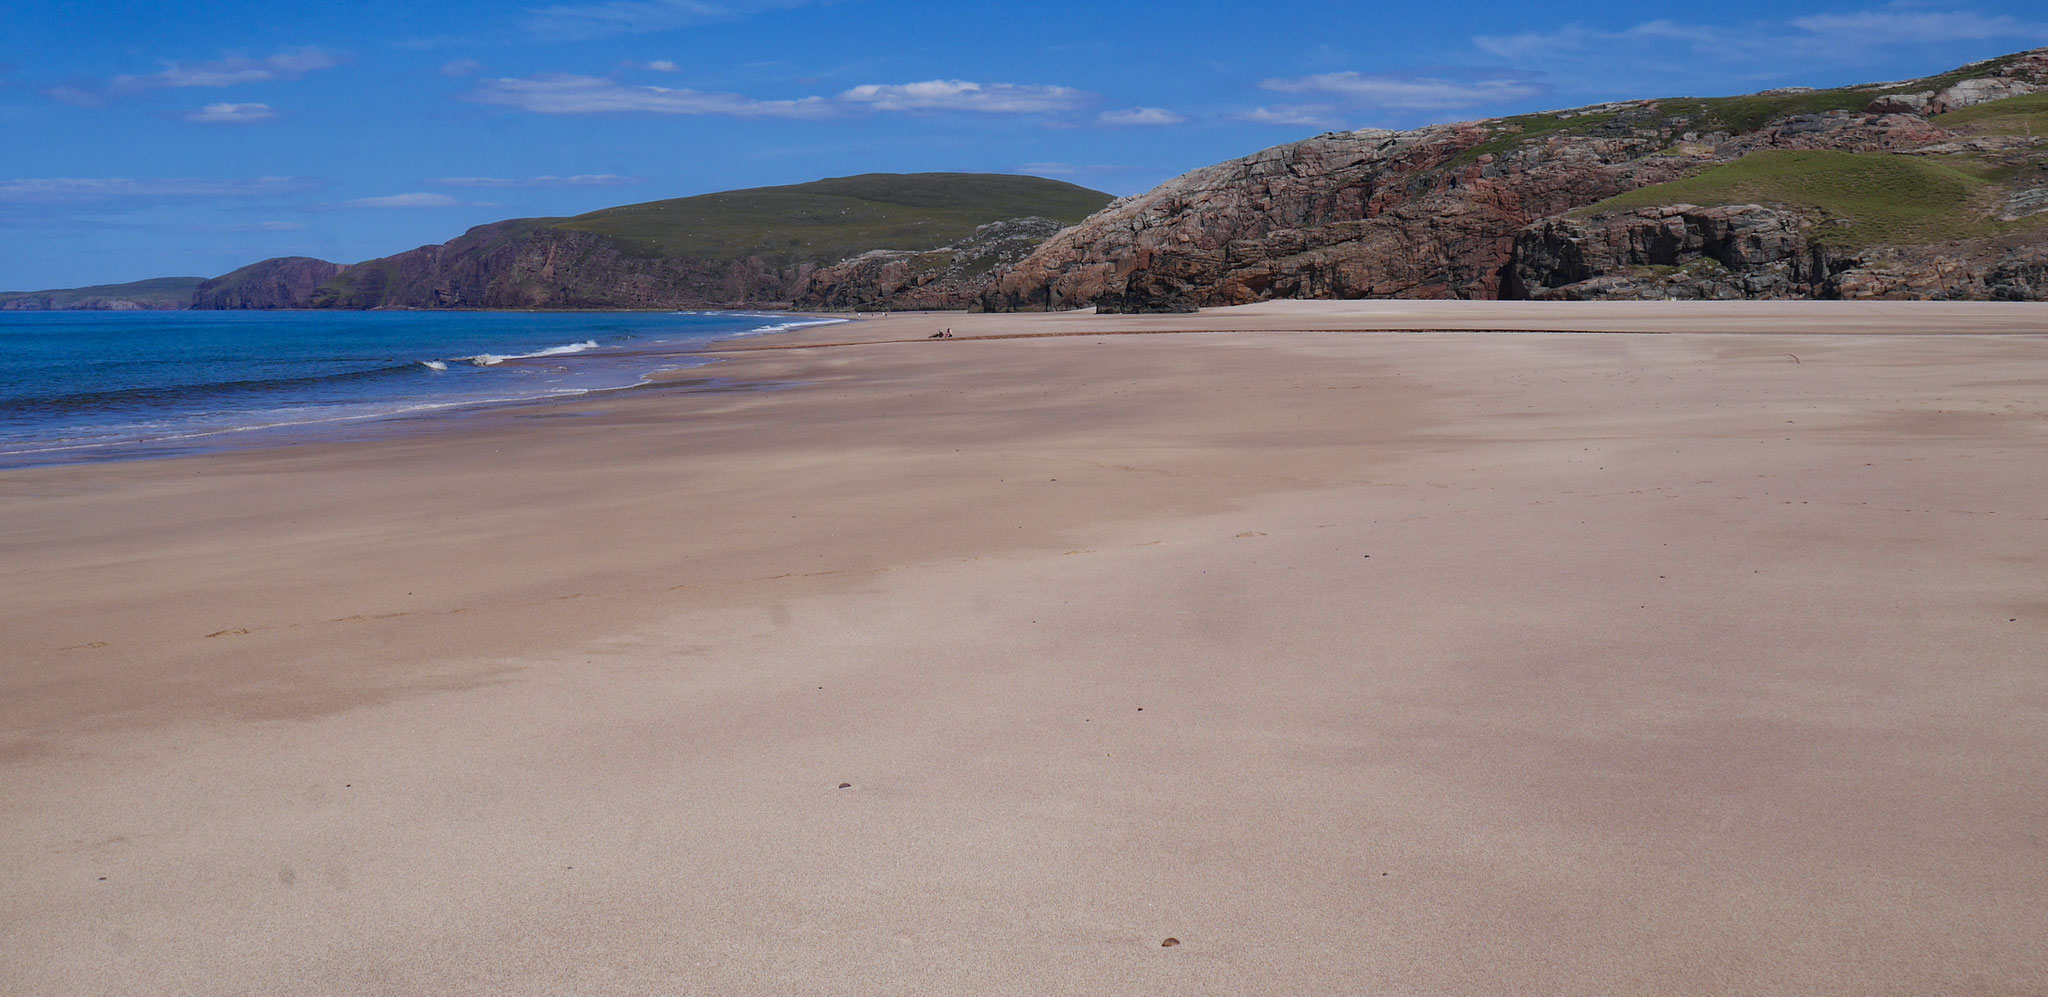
point(85, 386)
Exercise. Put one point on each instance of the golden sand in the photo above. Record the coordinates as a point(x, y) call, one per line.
point(1708, 655)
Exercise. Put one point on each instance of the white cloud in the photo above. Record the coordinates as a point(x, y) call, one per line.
point(76, 96)
point(1070, 169)
point(963, 95)
point(51, 189)
point(1141, 116)
point(617, 17)
point(461, 67)
point(1538, 46)
point(1834, 38)
point(664, 66)
point(579, 180)
point(232, 114)
point(569, 94)
point(1894, 27)
point(564, 93)
point(231, 71)
point(406, 201)
point(1298, 115)
point(1406, 93)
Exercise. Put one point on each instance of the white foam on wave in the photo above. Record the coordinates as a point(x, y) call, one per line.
point(762, 330)
point(802, 323)
point(494, 359)
point(434, 364)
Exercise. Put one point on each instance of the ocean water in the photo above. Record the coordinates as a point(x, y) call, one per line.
point(85, 386)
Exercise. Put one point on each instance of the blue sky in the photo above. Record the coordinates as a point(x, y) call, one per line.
point(146, 140)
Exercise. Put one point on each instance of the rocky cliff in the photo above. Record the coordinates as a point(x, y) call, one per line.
point(1479, 210)
point(520, 265)
point(1752, 251)
point(949, 277)
point(286, 282)
point(887, 240)
point(159, 293)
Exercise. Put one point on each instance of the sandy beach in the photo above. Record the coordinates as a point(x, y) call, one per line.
point(1659, 648)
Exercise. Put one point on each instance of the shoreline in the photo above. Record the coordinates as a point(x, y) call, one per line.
point(1283, 316)
point(1427, 662)
point(286, 420)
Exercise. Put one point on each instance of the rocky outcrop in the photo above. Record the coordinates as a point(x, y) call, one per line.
point(46, 302)
point(2027, 79)
point(2020, 276)
point(286, 282)
point(948, 277)
point(1677, 251)
point(1426, 213)
point(1751, 251)
point(1441, 212)
point(519, 264)
point(762, 247)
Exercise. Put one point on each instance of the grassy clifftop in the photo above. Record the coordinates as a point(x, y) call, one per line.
point(831, 220)
point(157, 292)
point(1862, 198)
point(1727, 115)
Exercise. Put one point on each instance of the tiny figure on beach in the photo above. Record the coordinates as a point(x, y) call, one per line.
point(941, 334)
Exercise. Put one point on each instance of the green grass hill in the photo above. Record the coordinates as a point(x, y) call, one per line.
point(830, 220)
point(1861, 198)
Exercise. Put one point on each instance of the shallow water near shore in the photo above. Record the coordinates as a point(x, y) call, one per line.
point(91, 386)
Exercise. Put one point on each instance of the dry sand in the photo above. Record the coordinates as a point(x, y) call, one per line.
point(1430, 663)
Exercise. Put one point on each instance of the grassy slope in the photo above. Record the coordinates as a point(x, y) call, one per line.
point(2011, 116)
point(830, 220)
point(155, 287)
point(1730, 115)
point(1863, 198)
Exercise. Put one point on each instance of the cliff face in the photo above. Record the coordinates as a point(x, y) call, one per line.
point(751, 248)
point(1752, 251)
point(518, 265)
point(287, 282)
point(1360, 214)
point(1441, 212)
point(156, 294)
point(945, 278)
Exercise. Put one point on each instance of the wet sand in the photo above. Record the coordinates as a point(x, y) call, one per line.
point(1705, 655)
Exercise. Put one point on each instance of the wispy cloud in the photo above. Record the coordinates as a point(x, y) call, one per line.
point(1829, 38)
point(619, 17)
point(570, 94)
point(407, 201)
point(1141, 116)
point(1407, 93)
point(57, 189)
point(579, 180)
point(232, 114)
point(664, 66)
point(230, 71)
point(460, 67)
point(1538, 46)
point(1293, 115)
point(963, 95)
point(268, 227)
point(1910, 26)
point(564, 93)
point(1069, 169)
